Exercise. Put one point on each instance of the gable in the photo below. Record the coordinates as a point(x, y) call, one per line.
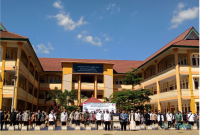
point(192, 35)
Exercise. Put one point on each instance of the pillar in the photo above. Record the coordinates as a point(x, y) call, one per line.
point(17, 73)
point(158, 87)
point(38, 92)
point(33, 90)
point(95, 86)
point(79, 89)
point(2, 74)
point(192, 102)
point(27, 82)
point(178, 79)
point(169, 108)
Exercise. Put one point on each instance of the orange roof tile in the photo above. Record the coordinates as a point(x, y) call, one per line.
point(120, 66)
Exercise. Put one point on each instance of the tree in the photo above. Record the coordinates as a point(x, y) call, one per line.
point(129, 99)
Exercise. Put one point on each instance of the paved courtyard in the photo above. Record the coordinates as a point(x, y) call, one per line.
point(147, 132)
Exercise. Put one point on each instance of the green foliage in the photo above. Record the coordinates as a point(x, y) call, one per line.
point(108, 100)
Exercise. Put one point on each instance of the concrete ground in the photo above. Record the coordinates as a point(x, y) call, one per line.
point(96, 132)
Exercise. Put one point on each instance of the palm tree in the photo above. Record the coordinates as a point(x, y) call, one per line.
point(109, 99)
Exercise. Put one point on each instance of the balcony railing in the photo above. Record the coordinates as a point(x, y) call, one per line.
point(122, 86)
point(50, 86)
point(100, 86)
point(23, 68)
point(10, 63)
point(8, 89)
point(87, 85)
point(22, 92)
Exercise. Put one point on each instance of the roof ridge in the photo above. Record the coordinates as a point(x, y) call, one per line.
point(3, 26)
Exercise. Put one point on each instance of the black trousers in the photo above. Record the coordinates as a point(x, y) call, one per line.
point(1, 122)
point(191, 123)
point(12, 122)
point(38, 123)
point(153, 121)
point(25, 123)
point(169, 124)
point(16, 122)
point(107, 125)
point(63, 123)
point(51, 122)
point(77, 122)
point(160, 123)
point(123, 126)
point(147, 122)
point(98, 123)
point(137, 123)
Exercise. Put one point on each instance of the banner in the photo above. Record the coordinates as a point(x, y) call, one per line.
point(102, 106)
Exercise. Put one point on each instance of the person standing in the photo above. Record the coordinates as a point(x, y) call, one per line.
point(43, 117)
point(198, 120)
point(98, 118)
point(72, 117)
point(111, 123)
point(107, 120)
point(1, 118)
point(184, 117)
point(169, 119)
point(147, 118)
point(38, 118)
point(178, 118)
point(150, 118)
point(86, 117)
point(160, 119)
point(64, 117)
point(137, 118)
point(153, 118)
point(26, 118)
point(5, 118)
point(132, 121)
point(191, 118)
point(77, 117)
point(123, 118)
point(8, 118)
point(17, 118)
point(51, 118)
point(13, 117)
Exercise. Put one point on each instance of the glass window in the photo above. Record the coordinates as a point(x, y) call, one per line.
point(116, 82)
point(182, 62)
point(55, 81)
point(51, 81)
point(194, 61)
point(186, 85)
point(185, 62)
point(120, 82)
point(183, 85)
point(196, 84)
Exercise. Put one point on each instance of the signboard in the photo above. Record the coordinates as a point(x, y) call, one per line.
point(87, 68)
point(102, 106)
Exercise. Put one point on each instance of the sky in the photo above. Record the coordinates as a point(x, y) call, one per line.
point(99, 29)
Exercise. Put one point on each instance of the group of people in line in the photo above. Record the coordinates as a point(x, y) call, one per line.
point(98, 117)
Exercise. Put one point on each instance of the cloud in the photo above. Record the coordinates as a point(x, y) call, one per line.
point(44, 49)
point(57, 4)
point(180, 15)
point(113, 8)
point(67, 22)
point(107, 38)
point(89, 39)
point(79, 36)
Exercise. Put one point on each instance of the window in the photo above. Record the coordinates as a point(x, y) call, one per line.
point(186, 85)
point(180, 85)
point(55, 81)
point(171, 87)
point(59, 80)
point(175, 86)
point(116, 82)
point(51, 81)
point(198, 61)
point(41, 96)
point(196, 84)
point(194, 61)
point(183, 85)
point(181, 62)
point(120, 82)
point(185, 62)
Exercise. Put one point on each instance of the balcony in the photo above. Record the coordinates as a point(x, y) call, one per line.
point(74, 85)
point(186, 93)
point(8, 90)
point(136, 87)
point(22, 92)
point(36, 83)
point(35, 100)
point(9, 64)
point(170, 72)
point(87, 86)
point(31, 78)
point(184, 70)
point(153, 98)
point(195, 70)
point(122, 87)
point(149, 81)
point(23, 69)
point(41, 102)
point(100, 86)
point(50, 86)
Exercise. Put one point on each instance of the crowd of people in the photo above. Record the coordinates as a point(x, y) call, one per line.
point(98, 117)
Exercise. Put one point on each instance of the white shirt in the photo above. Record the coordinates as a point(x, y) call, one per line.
point(158, 117)
point(150, 116)
point(137, 117)
point(64, 116)
point(51, 117)
point(107, 117)
point(169, 117)
point(98, 116)
point(190, 117)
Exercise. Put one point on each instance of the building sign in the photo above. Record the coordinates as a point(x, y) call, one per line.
point(87, 68)
point(91, 107)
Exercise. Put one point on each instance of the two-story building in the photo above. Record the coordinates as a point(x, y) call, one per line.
point(172, 73)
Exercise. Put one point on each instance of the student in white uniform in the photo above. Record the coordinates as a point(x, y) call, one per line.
point(191, 118)
point(64, 117)
point(52, 118)
point(137, 118)
point(107, 120)
point(169, 119)
point(98, 118)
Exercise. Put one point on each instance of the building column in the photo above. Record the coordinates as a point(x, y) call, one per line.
point(158, 87)
point(2, 73)
point(79, 89)
point(33, 90)
point(38, 92)
point(178, 79)
point(27, 82)
point(192, 103)
point(95, 86)
point(17, 73)
point(169, 108)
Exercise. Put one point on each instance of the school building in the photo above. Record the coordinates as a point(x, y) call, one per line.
point(172, 73)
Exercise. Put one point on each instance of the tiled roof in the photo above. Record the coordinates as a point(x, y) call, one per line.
point(120, 66)
point(7, 34)
point(173, 42)
point(188, 43)
point(92, 100)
